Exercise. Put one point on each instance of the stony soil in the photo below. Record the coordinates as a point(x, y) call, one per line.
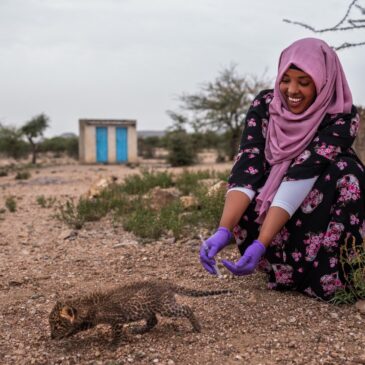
point(42, 260)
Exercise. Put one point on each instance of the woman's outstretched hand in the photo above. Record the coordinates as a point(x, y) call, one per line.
point(249, 261)
point(212, 246)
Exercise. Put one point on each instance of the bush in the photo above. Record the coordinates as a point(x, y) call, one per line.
point(352, 259)
point(12, 144)
point(22, 175)
point(127, 203)
point(140, 184)
point(45, 202)
point(59, 145)
point(148, 145)
point(147, 223)
point(187, 182)
point(10, 203)
point(75, 215)
point(181, 149)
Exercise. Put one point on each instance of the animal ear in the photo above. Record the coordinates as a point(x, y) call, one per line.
point(68, 313)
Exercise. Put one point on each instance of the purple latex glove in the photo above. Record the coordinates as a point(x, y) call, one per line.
point(248, 262)
point(212, 246)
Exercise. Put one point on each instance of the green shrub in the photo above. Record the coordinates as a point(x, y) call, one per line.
point(10, 203)
point(181, 150)
point(22, 175)
point(188, 181)
point(148, 145)
point(59, 145)
point(45, 202)
point(69, 214)
point(127, 203)
point(211, 207)
point(141, 184)
point(12, 144)
point(147, 223)
point(352, 259)
point(75, 215)
point(223, 175)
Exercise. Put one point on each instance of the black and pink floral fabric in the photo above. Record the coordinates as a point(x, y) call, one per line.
point(304, 256)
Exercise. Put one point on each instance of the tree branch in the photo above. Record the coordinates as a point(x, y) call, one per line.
point(348, 45)
point(346, 15)
point(353, 24)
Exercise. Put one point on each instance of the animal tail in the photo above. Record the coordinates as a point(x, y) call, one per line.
point(199, 293)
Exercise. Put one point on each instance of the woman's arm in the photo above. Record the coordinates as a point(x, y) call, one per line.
point(235, 205)
point(275, 220)
point(287, 200)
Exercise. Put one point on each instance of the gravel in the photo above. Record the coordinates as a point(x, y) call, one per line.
point(42, 260)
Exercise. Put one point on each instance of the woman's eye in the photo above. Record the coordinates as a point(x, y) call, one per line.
point(285, 81)
point(305, 84)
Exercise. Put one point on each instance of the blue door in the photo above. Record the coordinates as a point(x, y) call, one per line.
point(101, 144)
point(122, 145)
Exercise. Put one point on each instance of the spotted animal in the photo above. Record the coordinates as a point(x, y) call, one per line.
point(122, 305)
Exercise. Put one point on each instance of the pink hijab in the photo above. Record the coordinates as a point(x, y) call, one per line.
point(289, 134)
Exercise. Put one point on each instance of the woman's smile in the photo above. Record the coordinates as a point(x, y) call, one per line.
point(298, 90)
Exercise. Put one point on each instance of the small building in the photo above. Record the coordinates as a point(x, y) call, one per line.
point(107, 141)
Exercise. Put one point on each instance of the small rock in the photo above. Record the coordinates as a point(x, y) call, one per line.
point(216, 188)
point(188, 201)
point(36, 296)
point(68, 234)
point(360, 360)
point(169, 241)
point(238, 357)
point(170, 362)
point(140, 354)
point(252, 299)
point(360, 306)
point(334, 315)
point(292, 319)
point(14, 283)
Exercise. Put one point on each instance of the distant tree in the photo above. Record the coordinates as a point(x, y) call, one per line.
point(347, 23)
point(220, 105)
point(59, 145)
point(147, 146)
point(33, 130)
point(11, 142)
point(181, 151)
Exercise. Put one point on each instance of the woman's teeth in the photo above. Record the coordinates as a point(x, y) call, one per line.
point(294, 100)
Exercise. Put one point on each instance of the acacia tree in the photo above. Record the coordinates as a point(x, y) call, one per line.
point(11, 142)
point(347, 23)
point(220, 105)
point(33, 130)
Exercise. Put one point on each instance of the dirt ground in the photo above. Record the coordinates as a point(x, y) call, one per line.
point(41, 260)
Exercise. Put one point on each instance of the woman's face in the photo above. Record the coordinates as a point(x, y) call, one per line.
point(298, 90)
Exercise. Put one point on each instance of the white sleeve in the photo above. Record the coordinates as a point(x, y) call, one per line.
point(250, 193)
point(291, 194)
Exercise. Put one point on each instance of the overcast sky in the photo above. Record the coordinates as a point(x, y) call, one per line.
point(130, 59)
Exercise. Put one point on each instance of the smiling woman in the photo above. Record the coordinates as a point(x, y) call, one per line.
point(296, 190)
point(298, 89)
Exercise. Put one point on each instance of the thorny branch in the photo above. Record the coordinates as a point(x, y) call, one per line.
point(350, 25)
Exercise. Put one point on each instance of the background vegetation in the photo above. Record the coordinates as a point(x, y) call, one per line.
point(130, 204)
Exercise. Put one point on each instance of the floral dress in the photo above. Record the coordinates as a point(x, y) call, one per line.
point(305, 254)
